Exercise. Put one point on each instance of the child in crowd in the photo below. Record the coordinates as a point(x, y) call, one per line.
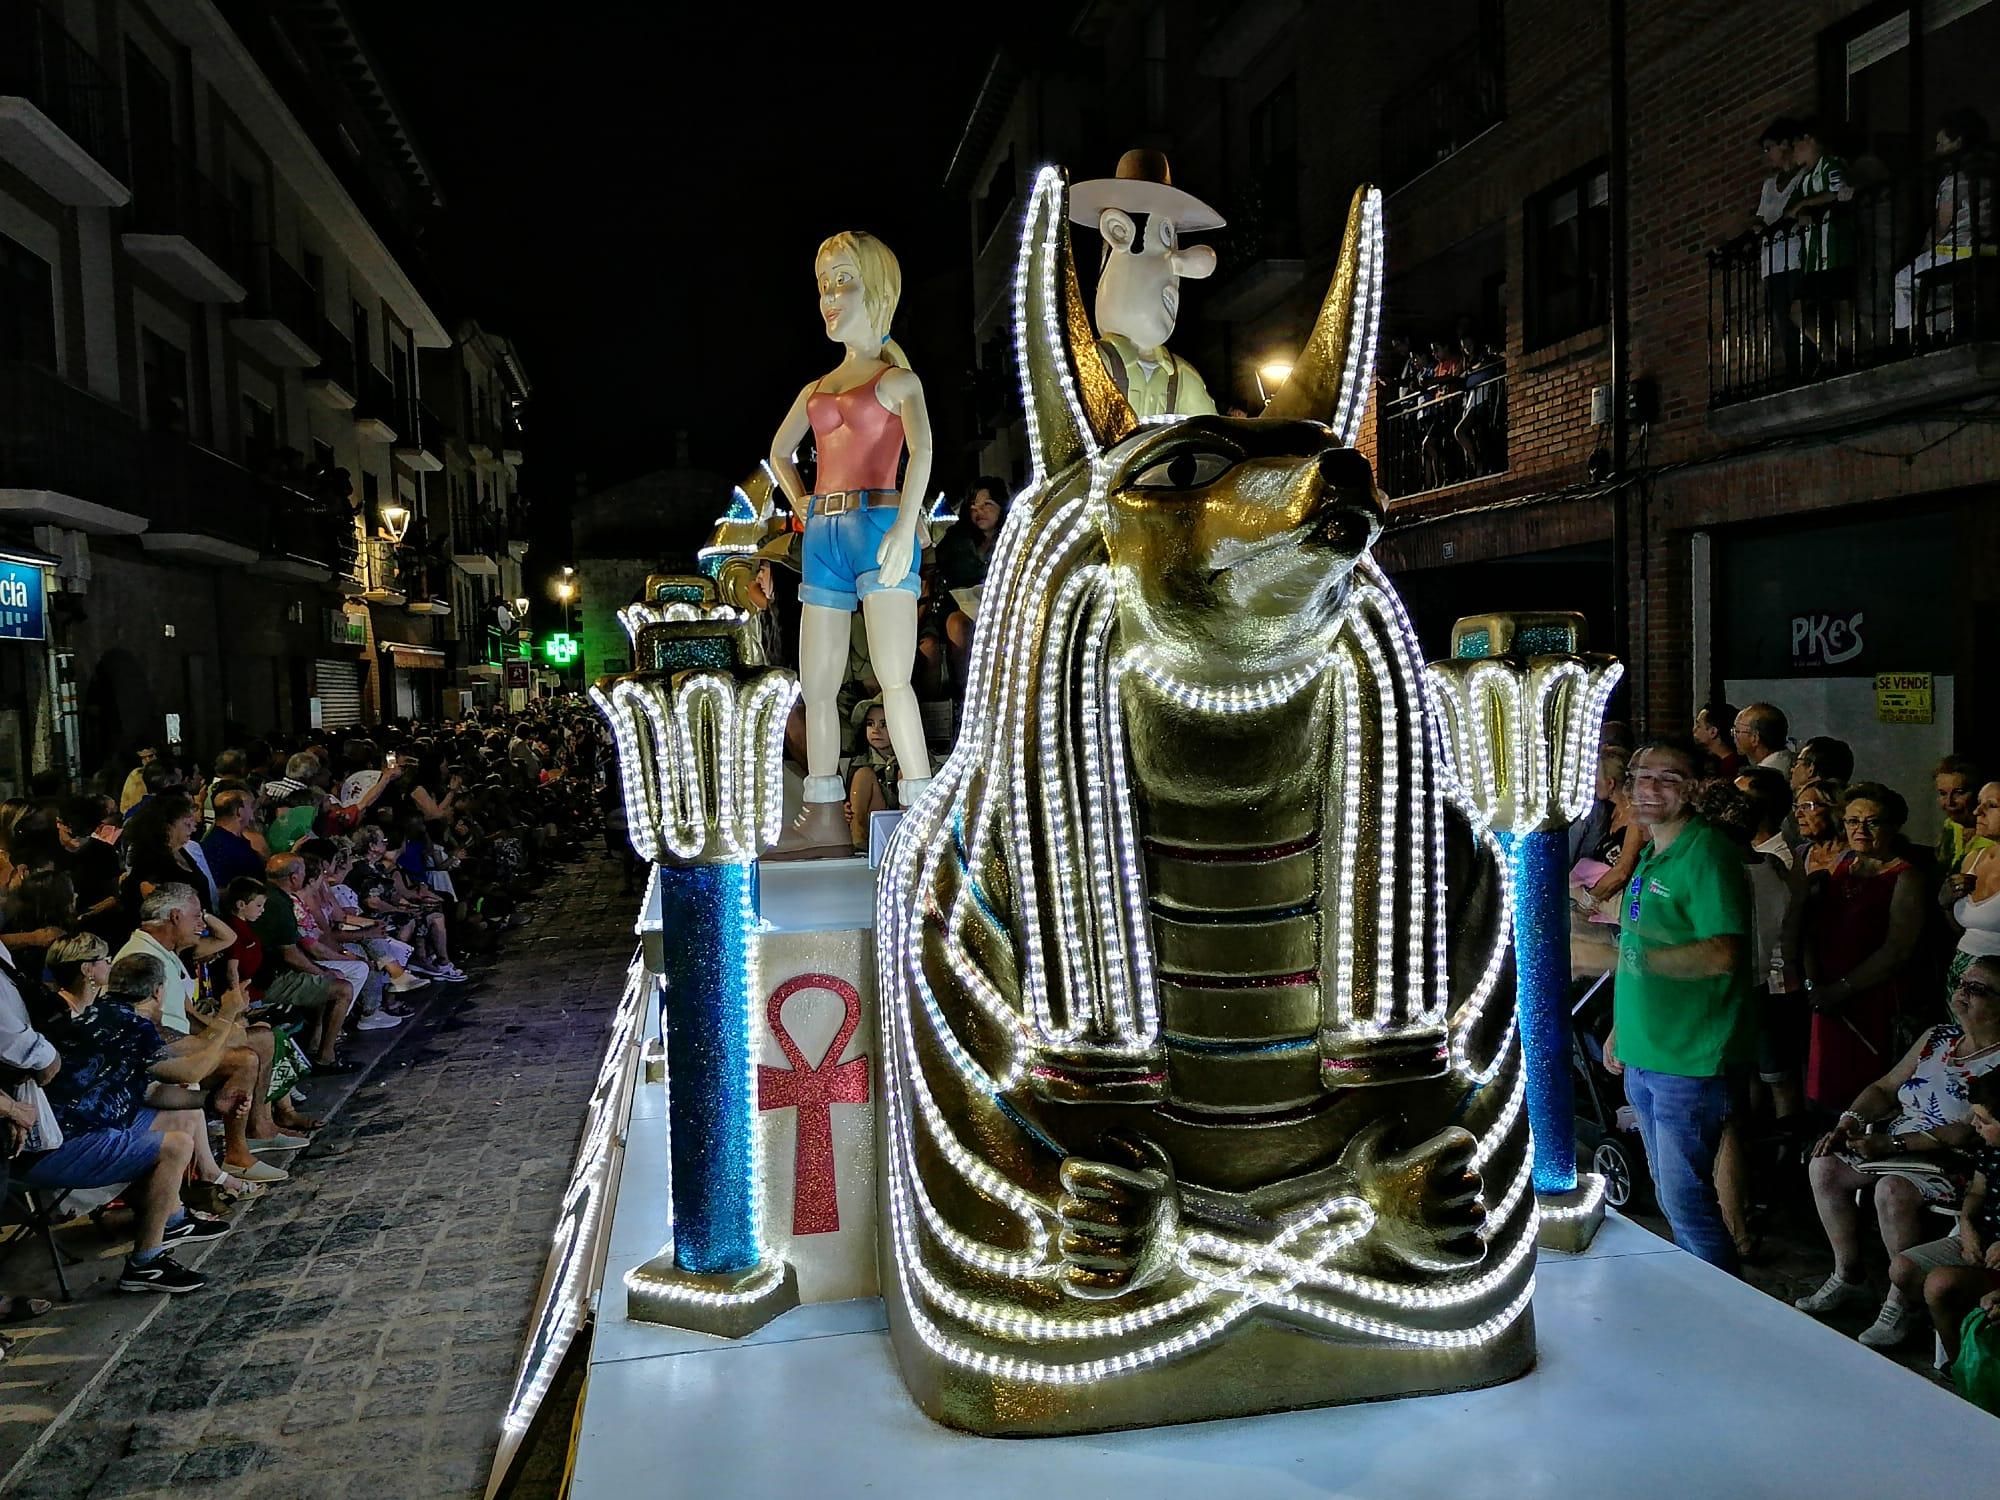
point(871, 777)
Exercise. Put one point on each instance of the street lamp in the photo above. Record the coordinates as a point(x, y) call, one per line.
point(566, 591)
point(1271, 374)
point(521, 609)
point(395, 520)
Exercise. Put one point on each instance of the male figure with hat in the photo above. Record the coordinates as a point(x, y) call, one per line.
point(1142, 217)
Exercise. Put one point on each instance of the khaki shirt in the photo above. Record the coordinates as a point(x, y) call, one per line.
point(1150, 374)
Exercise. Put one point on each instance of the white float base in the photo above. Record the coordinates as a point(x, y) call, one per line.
point(1659, 1376)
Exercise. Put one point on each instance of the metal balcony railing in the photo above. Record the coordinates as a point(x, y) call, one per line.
point(1903, 268)
point(170, 197)
point(336, 356)
point(1443, 109)
point(423, 429)
point(42, 62)
point(278, 291)
point(379, 566)
point(376, 398)
point(56, 437)
point(1445, 434)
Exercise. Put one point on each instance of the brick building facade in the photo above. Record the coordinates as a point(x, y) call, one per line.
point(1489, 126)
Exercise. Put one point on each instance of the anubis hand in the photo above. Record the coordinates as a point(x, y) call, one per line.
point(1426, 1199)
point(1118, 1218)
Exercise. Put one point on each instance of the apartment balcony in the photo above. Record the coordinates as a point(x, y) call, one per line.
point(1443, 110)
point(179, 228)
point(420, 439)
point(1242, 32)
point(205, 508)
point(375, 410)
point(1890, 303)
point(282, 316)
point(61, 122)
point(1431, 439)
point(476, 544)
point(67, 457)
point(378, 574)
point(331, 382)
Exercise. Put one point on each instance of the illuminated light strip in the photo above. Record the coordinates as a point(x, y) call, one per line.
point(767, 1277)
point(1138, 926)
point(1237, 698)
point(1406, 674)
point(1408, 656)
point(1103, 854)
point(1387, 1009)
point(1357, 374)
point(1350, 722)
point(1503, 1123)
point(1592, 1184)
point(1052, 709)
point(583, 1208)
point(1478, 1334)
point(1048, 193)
point(1474, 1009)
point(636, 617)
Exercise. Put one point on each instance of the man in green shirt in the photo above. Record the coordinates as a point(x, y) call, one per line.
point(1683, 1006)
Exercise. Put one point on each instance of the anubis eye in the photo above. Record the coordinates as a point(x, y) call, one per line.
point(1189, 469)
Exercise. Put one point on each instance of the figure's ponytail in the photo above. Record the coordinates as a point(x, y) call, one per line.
point(893, 352)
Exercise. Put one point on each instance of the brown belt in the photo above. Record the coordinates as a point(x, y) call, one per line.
point(834, 503)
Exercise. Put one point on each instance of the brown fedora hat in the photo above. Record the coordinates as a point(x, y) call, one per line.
point(1144, 185)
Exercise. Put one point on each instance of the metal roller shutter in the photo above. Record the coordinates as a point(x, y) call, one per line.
point(339, 692)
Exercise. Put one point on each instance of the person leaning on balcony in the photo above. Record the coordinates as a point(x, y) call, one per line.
point(1778, 247)
point(1963, 222)
point(1826, 243)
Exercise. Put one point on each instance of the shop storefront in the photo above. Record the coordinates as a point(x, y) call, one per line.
point(412, 680)
point(25, 726)
point(1851, 628)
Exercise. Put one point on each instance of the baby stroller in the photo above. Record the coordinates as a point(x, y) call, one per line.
point(1607, 1133)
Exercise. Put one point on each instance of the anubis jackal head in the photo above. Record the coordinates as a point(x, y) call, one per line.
point(1230, 542)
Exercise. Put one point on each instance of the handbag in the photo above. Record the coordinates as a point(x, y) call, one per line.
point(1976, 1371)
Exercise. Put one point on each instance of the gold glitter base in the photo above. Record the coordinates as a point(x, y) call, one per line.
point(1269, 1367)
point(661, 1292)
point(1570, 1236)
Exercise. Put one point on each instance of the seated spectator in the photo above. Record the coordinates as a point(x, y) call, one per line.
point(340, 929)
point(135, 783)
point(244, 964)
point(231, 855)
point(156, 844)
point(97, 1136)
point(1897, 1142)
point(295, 819)
point(871, 776)
point(1962, 221)
point(410, 912)
point(1712, 725)
point(963, 555)
point(88, 828)
point(301, 771)
point(300, 980)
point(1961, 1271)
point(1822, 758)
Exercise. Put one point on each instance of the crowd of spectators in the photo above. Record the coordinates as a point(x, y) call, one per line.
point(1443, 410)
point(185, 945)
point(1792, 969)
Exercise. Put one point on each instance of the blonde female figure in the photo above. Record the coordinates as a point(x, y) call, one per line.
point(861, 528)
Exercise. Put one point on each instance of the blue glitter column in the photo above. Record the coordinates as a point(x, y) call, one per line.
point(708, 927)
point(1539, 863)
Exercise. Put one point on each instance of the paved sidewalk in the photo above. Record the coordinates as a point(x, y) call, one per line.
point(361, 1327)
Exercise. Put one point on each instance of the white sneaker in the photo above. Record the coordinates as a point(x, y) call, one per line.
point(408, 980)
point(451, 974)
point(1895, 1324)
point(1834, 1292)
point(380, 1021)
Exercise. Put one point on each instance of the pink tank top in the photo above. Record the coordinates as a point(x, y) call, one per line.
point(859, 443)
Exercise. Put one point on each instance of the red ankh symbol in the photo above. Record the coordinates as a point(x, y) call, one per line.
point(813, 1091)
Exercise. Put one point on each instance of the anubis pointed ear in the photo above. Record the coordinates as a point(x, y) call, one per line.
point(1074, 410)
point(1330, 379)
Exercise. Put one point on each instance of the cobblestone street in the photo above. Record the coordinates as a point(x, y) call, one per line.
point(361, 1328)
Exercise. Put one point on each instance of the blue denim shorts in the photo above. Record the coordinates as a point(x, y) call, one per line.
point(838, 567)
point(98, 1158)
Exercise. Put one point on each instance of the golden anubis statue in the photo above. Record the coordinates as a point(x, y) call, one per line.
point(1201, 1092)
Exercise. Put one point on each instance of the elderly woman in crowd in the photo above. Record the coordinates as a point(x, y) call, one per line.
point(1858, 931)
point(1822, 841)
point(1897, 1142)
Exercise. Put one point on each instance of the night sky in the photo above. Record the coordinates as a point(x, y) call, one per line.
point(639, 209)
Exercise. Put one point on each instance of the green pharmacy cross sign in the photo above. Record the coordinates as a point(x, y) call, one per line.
point(561, 648)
